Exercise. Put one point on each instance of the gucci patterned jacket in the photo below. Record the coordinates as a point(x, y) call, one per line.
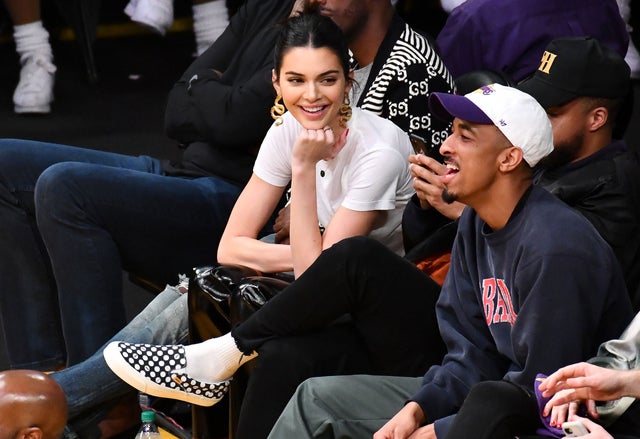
point(406, 69)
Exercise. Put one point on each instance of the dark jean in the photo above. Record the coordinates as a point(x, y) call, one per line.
point(71, 220)
point(359, 308)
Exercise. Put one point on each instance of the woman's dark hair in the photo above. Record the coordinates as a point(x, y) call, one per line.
point(311, 29)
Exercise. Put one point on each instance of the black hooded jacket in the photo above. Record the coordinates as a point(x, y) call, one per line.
point(221, 119)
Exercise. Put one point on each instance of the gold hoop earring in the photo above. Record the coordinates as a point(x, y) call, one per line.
point(277, 110)
point(345, 112)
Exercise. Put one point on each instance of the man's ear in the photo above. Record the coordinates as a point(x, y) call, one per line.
point(510, 158)
point(29, 433)
point(597, 118)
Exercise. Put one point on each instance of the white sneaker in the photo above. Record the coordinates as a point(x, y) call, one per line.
point(34, 92)
point(156, 14)
point(131, 7)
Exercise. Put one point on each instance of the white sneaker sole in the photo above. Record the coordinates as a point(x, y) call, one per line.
point(136, 379)
point(38, 109)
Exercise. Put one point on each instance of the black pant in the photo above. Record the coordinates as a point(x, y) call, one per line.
point(496, 410)
point(503, 410)
point(358, 309)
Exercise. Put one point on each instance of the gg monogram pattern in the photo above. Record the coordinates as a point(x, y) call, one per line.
point(410, 70)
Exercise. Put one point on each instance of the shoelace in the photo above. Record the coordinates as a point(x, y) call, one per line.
point(33, 69)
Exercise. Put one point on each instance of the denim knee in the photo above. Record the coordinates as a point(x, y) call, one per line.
point(59, 191)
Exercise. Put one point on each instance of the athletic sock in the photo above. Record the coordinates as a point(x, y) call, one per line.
point(31, 38)
point(215, 359)
point(210, 19)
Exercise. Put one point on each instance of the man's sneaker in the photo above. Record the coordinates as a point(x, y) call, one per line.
point(155, 14)
point(34, 92)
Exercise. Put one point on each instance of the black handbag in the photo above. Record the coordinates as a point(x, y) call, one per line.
point(210, 290)
point(226, 295)
point(252, 293)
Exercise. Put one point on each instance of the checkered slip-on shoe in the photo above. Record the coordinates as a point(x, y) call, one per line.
point(159, 371)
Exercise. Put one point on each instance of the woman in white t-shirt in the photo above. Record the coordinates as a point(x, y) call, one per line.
point(348, 168)
point(349, 176)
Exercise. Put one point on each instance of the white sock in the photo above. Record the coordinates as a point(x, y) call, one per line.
point(215, 360)
point(210, 19)
point(30, 38)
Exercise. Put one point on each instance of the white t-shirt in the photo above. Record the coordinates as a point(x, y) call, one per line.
point(371, 172)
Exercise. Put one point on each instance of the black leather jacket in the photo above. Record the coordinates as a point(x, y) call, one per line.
point(605, 188)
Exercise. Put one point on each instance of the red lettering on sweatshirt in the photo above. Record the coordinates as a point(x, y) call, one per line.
point(497, 302)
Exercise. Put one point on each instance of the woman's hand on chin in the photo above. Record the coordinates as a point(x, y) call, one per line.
point(338, 145)
point(314, 145)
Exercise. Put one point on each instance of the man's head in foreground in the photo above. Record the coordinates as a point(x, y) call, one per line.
point(32, 406)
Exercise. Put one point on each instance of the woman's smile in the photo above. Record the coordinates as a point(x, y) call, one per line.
point(314, 113)
point(315, 109)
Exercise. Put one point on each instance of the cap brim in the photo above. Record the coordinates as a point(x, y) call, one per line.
point(446, 106)
point(546, 94)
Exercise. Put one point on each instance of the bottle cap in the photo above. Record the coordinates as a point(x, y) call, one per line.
point(148, 416)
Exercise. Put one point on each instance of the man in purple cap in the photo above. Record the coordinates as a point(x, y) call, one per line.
point(582, 84)
point(525, 268)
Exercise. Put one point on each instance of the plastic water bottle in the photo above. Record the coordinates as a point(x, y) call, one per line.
point(149, 429)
